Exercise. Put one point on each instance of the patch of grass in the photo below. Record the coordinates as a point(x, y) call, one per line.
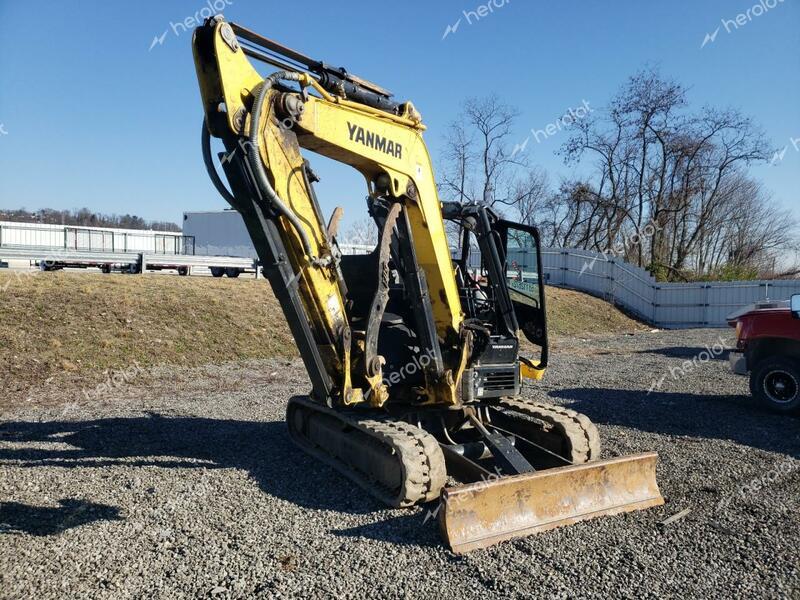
point(571, 313)
point(80, 322)
point(84, 324)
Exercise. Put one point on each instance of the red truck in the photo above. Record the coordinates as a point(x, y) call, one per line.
point(768, 349)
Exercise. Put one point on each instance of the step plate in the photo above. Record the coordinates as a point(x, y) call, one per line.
point(481, 514)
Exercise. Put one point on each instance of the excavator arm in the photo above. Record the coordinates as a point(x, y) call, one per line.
point(266, 124)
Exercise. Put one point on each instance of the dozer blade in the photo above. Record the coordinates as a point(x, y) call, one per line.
point(481, 514)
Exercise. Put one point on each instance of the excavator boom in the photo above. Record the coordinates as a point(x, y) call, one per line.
point(413, 353)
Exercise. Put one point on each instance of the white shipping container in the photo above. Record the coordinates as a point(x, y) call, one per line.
point(223, 233)
point(218, 233)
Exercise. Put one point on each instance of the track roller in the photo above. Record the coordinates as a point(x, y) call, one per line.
point(398, 463)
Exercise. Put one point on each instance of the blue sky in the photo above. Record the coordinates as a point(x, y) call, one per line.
point(91, 116)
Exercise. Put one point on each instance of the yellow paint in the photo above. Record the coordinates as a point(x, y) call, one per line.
point(340, 129)
point(531, 369)
point(325, 128)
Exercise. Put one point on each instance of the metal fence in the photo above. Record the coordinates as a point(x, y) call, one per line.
point(665, 305)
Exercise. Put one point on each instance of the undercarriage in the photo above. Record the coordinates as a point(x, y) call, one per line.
point(485, 463)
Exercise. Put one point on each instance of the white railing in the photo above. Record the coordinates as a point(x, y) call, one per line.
point(36, 236)
point(666, 305)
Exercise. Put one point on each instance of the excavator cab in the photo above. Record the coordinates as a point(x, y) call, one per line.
point(498, 266)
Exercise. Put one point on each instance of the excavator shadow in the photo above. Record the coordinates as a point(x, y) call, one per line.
point(16, 517)
point(409, 529)
point(690, 353)
point(262, 449)
point(724, 417)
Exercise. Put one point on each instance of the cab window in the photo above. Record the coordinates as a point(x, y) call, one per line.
point(522, 267)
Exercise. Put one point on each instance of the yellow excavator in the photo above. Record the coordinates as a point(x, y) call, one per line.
point(413, 350)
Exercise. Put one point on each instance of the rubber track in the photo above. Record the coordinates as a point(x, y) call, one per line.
point(424, 473)
point(578, 430)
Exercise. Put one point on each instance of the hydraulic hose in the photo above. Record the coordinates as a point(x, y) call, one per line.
point(255, 162)
point(258, 168)
point(212, 171)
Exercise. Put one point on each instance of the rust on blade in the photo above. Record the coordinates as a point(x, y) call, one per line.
point(481, 514)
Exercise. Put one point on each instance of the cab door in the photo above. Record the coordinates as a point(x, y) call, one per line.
point(525, 280)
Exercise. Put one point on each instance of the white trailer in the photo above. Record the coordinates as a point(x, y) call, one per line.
point(91, 239)
point(54, 247)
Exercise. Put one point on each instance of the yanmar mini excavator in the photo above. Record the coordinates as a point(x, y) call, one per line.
point(413, 350)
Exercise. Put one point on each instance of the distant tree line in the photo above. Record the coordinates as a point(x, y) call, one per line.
point(84, 217)
point(656, 183)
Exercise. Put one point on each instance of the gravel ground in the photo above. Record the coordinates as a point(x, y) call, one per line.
point(183, 483)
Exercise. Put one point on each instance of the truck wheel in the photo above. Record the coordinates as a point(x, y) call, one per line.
point(775, 382)
point(105, 268)
point(232, 272)
point(183, 271)
point(217, 271)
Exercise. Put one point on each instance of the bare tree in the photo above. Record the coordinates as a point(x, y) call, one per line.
point(479, 165)
point(363, 232)
point(84, 217)
point(655, 163)
point(530, 195)
point(458, 156)
point(667, 187)
point(753, 233)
